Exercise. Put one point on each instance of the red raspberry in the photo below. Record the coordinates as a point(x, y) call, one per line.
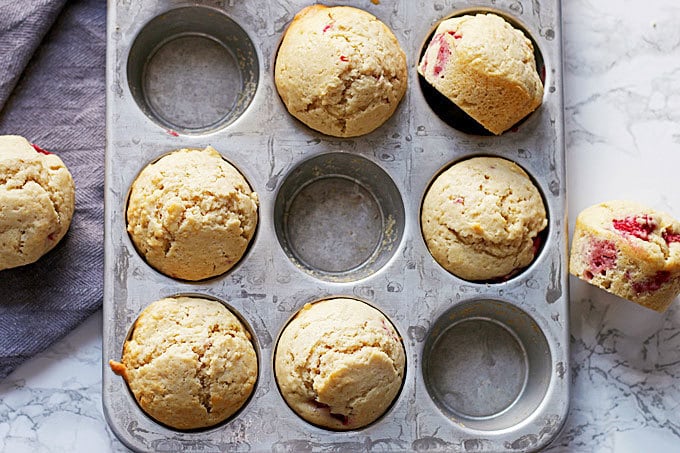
point(670, 236)
point(652, 284)
point(638, 226)
point(442, 55)
point(602, 257)
point(39, 149)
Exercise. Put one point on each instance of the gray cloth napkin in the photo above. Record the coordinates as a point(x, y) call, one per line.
point(52, 91)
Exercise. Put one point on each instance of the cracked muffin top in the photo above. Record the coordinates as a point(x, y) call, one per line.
point(481, 219)
point(189, 362)
point(339, 363)
point(37, 200)
point(340, 70)
point(191, 214)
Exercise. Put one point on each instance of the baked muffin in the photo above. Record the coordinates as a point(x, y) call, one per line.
point(189, 362)
point(191, 214)
point(629, 250)
point(37, 200)
point(340, 70)
point(481, 219)
point(486, 67)
point(339, 363)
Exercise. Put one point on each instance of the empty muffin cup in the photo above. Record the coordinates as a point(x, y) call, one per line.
point(486, 364)
point(339, 216)
point(193, 69)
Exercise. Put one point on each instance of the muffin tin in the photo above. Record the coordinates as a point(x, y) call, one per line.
point(487, 363)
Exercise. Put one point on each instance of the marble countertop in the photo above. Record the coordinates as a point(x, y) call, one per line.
point(622, 99)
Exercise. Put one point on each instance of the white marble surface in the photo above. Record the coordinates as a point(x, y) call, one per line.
point(622, 97)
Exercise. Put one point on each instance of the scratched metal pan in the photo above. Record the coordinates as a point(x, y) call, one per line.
point(487, 363)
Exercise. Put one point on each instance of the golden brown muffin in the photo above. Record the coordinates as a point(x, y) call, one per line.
point(480, 218)
point(486, 67)
point(191, 214)
point(629, 250)
point(339, 363)
point(340, 70)
point(189, 362)
point(37, 200)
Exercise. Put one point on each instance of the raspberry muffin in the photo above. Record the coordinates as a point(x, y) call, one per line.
point(191, 214)
point(486, 67)
point(189, 362)
point(481, 219)
point(37, 201)
point(340, 70)
point(629, 250)
point(339, 363)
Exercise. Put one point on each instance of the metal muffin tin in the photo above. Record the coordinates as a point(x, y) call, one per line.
point(487, 363)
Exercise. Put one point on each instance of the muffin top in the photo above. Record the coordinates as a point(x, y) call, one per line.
point(191, 214)
point(189, 362)
point(480, 218)
point(340, 70)
point(339, 363)
point(37, 200)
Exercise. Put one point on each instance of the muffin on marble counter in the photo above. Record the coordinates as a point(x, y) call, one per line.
point(629, 250)
point(189, 362)
point(340, 70)
point(37, 201)
point(339, 363)
point(191, 214)
point(481, 218)
point(486, 67)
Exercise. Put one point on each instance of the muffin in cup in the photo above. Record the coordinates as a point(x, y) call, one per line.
point(191, 214)
point(189, 362)
point(339, 363)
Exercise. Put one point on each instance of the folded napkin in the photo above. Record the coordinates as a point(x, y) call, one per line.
point(52, 91)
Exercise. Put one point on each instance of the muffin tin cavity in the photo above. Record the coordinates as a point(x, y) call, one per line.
point(486, 364)
point(193, 70)
point(446, 110)
point(339, 217)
